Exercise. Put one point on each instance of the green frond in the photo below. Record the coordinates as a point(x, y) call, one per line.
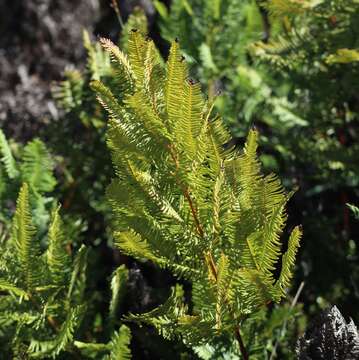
point(150, 121)
point(354, 209)
point(281, 8)
point(23, 237)
point(137, 47)
point(52, 348)
point(165, 316)
point(37, 167)
point(77, 283)
point(124, 74)
point(288, 260)
point(343, 56)
point(271, 246)
point(249, 175)
point(107, 99)
point(118, 284)
point(252, 289)
point(98, 62)
point(137, 20)
point(189, 124)
point(120, 344)
point(57, 257)
point(14, 290)
point(7, 157)
point(223, 290)
point(132, 244)
point(70, 93)
point(176, 75)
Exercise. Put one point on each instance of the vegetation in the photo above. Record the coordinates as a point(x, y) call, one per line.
point(186, 245)
point(189, 202)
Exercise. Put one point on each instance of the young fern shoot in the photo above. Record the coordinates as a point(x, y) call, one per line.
point(187, 203)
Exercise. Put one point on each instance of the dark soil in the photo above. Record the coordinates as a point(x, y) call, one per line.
point(38, 40)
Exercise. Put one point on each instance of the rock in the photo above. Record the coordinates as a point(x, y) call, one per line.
point(330, 337)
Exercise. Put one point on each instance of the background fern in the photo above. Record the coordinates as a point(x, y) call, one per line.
point(45, 290)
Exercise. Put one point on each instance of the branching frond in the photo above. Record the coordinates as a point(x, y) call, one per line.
point(186, 200)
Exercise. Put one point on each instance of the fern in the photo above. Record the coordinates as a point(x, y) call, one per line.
point(43, 301)
point(188, 204)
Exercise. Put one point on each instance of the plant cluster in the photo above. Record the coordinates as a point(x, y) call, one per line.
point(198, 237)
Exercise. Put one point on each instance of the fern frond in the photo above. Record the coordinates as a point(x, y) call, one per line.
point(176, 74)
point(136, 20)
point(77, 283)
point(187, 201)
point(57, 257)
point(53, 347)
point(119, 345)
point(37, 167)
point(188, 126)
point(132, 244)
point(14, 290)
point(281, 8)
point(288, 260)
point(223, 290)
point(137, 47)
point(7, 157)
point(118, 283)
point(124, 74)
point(98, 62)
point(164, 317)
point(24, 240)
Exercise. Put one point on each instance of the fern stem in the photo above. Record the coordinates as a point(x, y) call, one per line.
point(194, 213)
point(242, 348)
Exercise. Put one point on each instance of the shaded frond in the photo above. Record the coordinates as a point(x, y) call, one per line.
point(7, 157)
point(57, 257)
point(37, 167)
point(12, 289)
point(118, 284)
point(65, 336)
point(288, 260)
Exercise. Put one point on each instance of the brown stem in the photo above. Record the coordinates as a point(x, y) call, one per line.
point(194, 213)
point(241, 344)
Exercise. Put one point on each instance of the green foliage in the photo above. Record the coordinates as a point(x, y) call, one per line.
point(45, 290)
point(32, 164)
point(317, 53)
point(188, 201)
